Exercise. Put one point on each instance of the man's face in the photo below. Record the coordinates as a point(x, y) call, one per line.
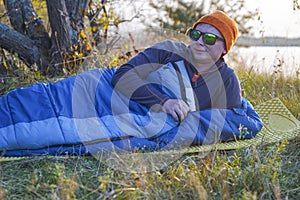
point(204, 53)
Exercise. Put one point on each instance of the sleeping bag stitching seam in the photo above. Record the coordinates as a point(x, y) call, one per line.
point(47, 89)
point(13, 121)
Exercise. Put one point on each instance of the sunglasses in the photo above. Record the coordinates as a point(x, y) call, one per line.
point(207, 38)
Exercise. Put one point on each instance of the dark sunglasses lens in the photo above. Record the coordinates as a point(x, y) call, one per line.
point(195, 35)
point(209, 39)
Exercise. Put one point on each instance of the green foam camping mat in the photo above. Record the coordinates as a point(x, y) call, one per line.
point(279, 123)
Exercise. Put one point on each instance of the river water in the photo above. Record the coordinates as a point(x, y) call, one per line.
point(285, 60)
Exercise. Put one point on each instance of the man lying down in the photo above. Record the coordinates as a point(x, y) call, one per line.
point(169, 96)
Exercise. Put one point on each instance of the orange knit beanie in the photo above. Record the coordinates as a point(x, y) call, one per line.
point(224, 24)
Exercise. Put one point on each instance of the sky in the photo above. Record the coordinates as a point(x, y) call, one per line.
point(278, 18)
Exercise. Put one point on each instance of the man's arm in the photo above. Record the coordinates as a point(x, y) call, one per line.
point(233, 92)
point(129, 78)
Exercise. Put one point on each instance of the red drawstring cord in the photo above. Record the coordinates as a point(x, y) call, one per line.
point(196, 76)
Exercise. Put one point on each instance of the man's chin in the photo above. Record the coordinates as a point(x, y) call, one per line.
point(202, 60)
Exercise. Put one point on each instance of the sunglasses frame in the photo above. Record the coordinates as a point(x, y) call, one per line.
point(204, 36)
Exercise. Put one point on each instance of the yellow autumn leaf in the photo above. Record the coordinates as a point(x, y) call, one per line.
point(102, 20)
point(80, 55)
point(105, 27)
point(87, 47)
point(94, 29)
point(117, 21)
point(82, 34)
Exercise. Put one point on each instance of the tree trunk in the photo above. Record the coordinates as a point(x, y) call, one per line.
point(25, 20)
point(61, 29)
point(76, 13)
point(64, 47)
point(24, 46)
point(76, 10)
point(65, 25)
point(66, 21)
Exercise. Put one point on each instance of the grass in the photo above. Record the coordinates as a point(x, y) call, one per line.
point(270, 172)
point(258, 172)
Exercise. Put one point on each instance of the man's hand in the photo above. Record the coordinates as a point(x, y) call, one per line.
point(177, 108)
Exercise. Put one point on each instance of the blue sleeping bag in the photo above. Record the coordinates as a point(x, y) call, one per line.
point(83, 114)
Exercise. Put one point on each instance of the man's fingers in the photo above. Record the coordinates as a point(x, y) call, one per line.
point(180, 115)
point(175, 115)
point(179, 118)
point(184, 110)
point(177, 108)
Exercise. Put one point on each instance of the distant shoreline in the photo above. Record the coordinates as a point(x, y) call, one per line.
point(268, 41)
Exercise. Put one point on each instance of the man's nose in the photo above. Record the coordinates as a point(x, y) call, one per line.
point(200, 40)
